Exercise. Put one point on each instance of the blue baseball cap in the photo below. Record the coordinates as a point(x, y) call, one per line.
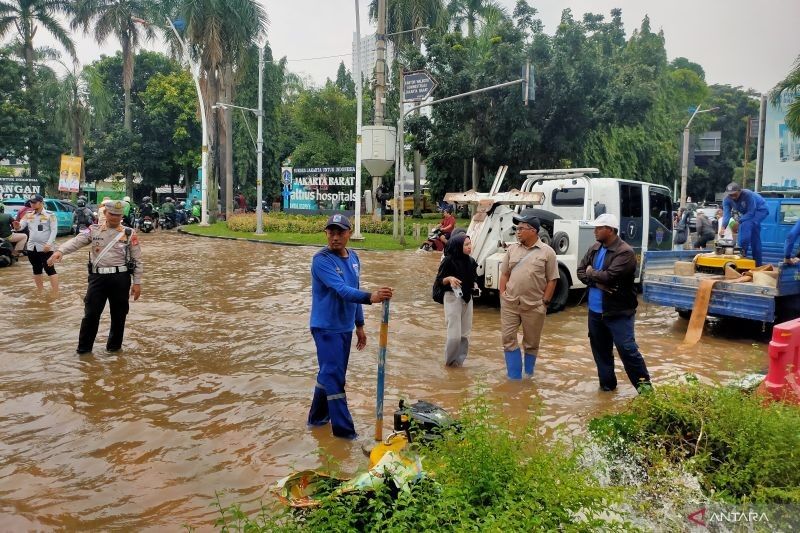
point(338, 220)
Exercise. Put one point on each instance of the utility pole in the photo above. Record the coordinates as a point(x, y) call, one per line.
point(359, 105)
point(380, 91)
point(260, 145)
point(746, 151)
point(399, 186)
point(685, 153)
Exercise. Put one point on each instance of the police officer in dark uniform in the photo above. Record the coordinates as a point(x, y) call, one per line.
point(115, 257)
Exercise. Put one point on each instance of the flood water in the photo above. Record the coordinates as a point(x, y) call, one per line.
point(211, 391)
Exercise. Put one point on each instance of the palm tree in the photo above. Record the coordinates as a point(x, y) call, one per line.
point(790, 84)
point(472, 12)
point(120, 19)
point(219, 33)
point(81, 102)
point(25, 16)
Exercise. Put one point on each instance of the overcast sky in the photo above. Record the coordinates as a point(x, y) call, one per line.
point(737, 42)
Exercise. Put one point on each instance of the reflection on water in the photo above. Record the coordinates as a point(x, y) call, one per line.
point(212, 389)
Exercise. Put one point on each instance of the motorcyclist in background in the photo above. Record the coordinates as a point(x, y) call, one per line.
point(196, 208)
point(146, 209)
point(168, 210)
point(180, 214)
point(83, 216)
point(127, 218)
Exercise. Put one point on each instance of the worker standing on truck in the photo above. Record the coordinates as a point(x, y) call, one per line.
point(753, 211)
point(608, 270)
point(791, 238)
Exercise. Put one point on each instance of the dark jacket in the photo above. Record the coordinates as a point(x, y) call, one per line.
point(616, 279)
point(457, 263)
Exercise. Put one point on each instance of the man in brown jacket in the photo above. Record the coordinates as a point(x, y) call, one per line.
point(609, 269)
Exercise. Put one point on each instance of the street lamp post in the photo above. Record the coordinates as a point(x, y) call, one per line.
point(194, 68)
point(359, 106)
point(685, 154)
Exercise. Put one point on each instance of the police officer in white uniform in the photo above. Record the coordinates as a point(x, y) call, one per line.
point(114, 258)
point(43, 228)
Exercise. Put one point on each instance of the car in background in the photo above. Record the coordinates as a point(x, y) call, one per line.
point(709, 210)
point(63, 211)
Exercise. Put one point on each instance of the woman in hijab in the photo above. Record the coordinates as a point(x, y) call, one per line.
point(457, 274)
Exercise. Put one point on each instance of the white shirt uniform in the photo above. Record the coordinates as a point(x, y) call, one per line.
point(43, 228)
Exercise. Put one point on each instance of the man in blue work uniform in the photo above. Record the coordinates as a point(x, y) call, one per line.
point(335, 309)
point(791, 238)
point(753, 211)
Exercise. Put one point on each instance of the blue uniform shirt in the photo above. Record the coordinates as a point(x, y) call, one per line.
point(595, 294)
point(335, 296)
point(791, 238)
point(748, 203)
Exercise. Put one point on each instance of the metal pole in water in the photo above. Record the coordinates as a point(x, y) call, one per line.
point(382, 342)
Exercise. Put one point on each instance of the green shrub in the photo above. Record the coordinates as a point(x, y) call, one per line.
point(742, 449)
point(490, 476)
point(288, 223)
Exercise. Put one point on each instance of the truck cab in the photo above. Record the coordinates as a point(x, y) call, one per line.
point(567, 200)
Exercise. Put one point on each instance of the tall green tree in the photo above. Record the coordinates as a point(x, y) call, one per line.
point(472, 13)
point(790, 84)
point(81, 102)
point(219, 34)
point(26, 16)
point(121, 19)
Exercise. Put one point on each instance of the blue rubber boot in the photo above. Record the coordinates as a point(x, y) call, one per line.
point(514, 364)
point(530, 363)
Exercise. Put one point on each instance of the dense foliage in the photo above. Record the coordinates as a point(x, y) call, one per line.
point(741, 449)
point(604, 98)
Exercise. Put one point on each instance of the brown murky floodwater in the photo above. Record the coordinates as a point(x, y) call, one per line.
point(212, 389)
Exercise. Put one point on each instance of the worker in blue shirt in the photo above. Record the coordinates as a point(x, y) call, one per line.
point(753, 211)
point(791, 238)
point(336, 301)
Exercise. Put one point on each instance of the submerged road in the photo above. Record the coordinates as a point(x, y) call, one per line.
point(211, 391)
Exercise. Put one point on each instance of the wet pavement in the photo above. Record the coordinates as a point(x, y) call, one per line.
point(211, 391)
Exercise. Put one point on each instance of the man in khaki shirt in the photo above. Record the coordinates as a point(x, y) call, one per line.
point(528, 280)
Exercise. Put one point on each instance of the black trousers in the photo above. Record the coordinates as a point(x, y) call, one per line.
point(112, 287)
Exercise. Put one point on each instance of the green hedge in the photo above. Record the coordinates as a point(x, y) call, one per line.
point(287, 223)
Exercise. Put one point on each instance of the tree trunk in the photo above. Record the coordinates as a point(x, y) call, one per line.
point(476, 178)
point(212, 183)
point(417, 185)
point(465, 176)
point(127, 82)
point(33, 146)
point(226, 154)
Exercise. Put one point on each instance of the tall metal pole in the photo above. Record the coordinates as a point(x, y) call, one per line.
point(195, 70)
point(359, 120)
point(402, 141)
point(746, 151)
point(380, 63)
point(260, 145)
point(762, 120)
point(685, 158)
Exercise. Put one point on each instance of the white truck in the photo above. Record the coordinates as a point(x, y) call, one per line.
point(565, 201)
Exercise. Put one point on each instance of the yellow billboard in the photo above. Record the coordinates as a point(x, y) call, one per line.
point(69, 179)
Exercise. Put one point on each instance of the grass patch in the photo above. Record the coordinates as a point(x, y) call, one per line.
point(488, 477)
point(740, 449)
point(371, 241)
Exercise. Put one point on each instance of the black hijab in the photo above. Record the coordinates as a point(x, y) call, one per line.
point(457, 263)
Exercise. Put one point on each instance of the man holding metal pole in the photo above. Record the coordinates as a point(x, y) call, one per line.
point(336, 301)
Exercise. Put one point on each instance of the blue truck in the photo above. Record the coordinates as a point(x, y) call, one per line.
point(660, 285)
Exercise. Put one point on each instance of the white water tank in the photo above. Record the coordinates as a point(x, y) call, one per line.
point(378, 148)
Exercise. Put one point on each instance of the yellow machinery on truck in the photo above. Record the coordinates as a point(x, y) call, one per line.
point(726, 254)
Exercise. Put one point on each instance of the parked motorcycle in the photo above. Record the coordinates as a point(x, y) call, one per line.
point(167, 222)
point(433, 243)
point(6, 253)
point(146, 224)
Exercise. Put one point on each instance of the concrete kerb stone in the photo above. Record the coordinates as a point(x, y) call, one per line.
point(278, 243)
